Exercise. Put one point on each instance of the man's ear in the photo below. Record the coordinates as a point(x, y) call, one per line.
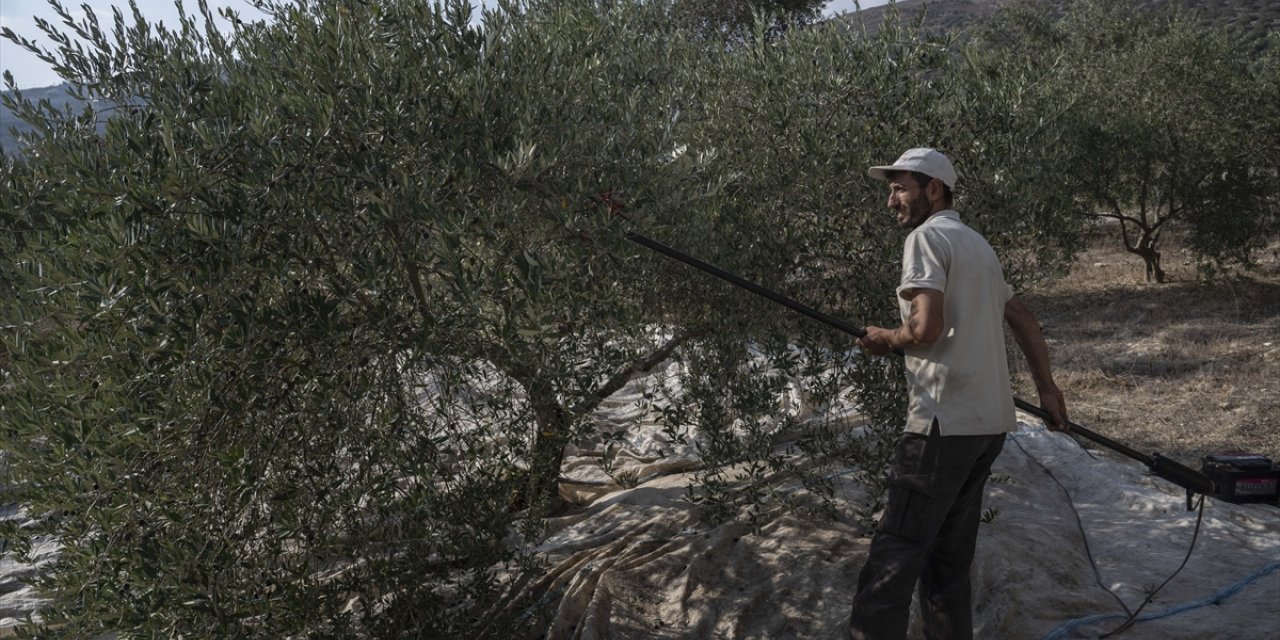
point(933, 190)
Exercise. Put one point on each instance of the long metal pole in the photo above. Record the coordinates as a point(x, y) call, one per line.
point(747, 284)
point(1181, 475)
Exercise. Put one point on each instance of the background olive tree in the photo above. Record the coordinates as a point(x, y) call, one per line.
point(1164, 118)
point(785, 129)
point(297, 342)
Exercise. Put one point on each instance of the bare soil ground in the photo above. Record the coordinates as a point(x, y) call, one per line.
point(1186, 368)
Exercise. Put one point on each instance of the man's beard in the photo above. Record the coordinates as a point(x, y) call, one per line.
point(917, 213)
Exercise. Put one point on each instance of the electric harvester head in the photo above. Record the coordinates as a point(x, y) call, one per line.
point(1243, 478)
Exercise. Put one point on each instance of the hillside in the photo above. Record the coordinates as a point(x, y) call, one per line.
point(8, 121)
point(58, 95)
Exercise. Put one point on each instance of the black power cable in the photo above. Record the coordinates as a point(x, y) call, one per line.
point(1133, 617)
point(1084, 536)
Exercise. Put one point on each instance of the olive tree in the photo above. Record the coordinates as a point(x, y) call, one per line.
point(734, 21)
point(786, 128)
point(1163, 120)
point(299, 338)
point(297, 341)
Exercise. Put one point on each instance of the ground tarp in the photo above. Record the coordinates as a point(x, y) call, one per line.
point(1076, 541)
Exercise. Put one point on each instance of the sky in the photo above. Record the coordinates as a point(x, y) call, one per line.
point(29, 71)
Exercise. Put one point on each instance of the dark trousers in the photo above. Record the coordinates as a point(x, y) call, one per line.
point(927, 535)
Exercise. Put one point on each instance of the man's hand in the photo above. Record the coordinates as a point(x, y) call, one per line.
point(878, 341)
point(1051, 400)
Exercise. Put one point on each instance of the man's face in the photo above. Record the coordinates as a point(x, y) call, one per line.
point(909, 200)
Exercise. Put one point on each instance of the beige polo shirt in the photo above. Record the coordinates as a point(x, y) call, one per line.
point(962, 379)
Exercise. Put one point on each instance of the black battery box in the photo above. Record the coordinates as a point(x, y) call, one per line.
point(1243, 477)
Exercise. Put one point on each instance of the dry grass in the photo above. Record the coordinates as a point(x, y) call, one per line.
point(1186, 368)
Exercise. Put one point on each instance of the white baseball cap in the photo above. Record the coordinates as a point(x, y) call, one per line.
point(927, 161)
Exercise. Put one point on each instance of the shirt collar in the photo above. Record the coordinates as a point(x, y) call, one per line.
point(945, 213)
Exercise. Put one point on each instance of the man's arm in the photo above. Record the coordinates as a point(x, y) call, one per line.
point(1026, 331)
point(923, 325)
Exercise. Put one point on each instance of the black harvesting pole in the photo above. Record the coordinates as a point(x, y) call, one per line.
point(747, 284)
point(1187, 478)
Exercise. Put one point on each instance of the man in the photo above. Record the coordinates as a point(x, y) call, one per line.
point(954, 302)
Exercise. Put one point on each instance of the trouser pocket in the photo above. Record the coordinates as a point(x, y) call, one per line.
point(913, 487)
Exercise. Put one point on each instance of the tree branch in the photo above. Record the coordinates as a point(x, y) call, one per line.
point(1124, 228)
point(412, 273)
point(624, 376)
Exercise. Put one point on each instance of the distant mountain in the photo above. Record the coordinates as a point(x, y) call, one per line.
point(58, 95)
point(1252, 19)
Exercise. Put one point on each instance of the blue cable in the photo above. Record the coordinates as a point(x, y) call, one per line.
point(1218, 598)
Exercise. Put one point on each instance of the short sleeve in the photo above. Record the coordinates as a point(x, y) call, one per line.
point(926, 260)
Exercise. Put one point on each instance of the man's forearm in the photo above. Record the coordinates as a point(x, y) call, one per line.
point(1026, 331)
point(911, 334)
point(1030, 339)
